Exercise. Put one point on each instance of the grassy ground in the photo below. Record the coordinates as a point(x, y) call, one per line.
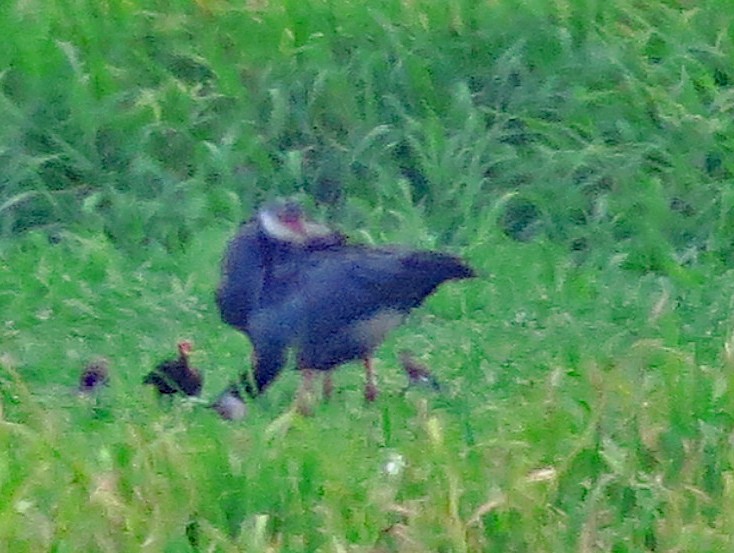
point(578, 154)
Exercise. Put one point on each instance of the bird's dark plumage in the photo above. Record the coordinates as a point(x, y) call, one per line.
point(329, 301)
point(94, 376)
point(176, 376)
point(261, 263)
point(346, 302)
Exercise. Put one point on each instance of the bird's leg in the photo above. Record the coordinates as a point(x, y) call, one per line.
point(370, 387)
point(304, 399)
point(328, 386)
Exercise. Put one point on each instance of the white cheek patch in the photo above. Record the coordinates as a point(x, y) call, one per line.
point(273, 227)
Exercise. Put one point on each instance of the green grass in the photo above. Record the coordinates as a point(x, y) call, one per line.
point(578, 154)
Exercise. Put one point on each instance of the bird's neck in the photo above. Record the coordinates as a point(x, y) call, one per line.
point(276, 230)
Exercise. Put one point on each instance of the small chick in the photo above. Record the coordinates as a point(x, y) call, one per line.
point(176, 375)
point(418, 374)
point(94, 376)
point(230, 405)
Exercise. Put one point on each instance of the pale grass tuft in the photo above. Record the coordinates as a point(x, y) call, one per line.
point(729, 352)
point(434, 431)
point(660, 305)
point(542, 475)
point(281, 425)
point(486, 508)
point(105, 493)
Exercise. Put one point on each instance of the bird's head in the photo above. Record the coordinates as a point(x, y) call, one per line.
point(184, 348)
point(284, 220)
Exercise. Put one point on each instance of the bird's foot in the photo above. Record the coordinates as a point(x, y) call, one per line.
point(328, 387)
point(370, 393)
point(303, 409)
point(305, 399)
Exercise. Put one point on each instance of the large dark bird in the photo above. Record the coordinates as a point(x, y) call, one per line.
point(260, 268)
point(329, 301)
point(94, 377)
point(347, 300)
point(176, 376)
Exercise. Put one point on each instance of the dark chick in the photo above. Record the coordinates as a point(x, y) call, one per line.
point(94, 377)
point(418, 374)
point(176, 376)
point(328, 301)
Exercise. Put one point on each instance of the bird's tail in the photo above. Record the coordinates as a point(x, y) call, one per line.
point(440, 266)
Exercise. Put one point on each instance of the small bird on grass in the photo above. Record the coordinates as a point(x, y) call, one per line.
point(176, 376)
point(94, 377)
point(418, 374)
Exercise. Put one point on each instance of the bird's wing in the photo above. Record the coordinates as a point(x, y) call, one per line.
point(363, 278)
point(241, 286)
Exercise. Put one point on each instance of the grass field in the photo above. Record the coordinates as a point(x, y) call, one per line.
point(577, 153)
